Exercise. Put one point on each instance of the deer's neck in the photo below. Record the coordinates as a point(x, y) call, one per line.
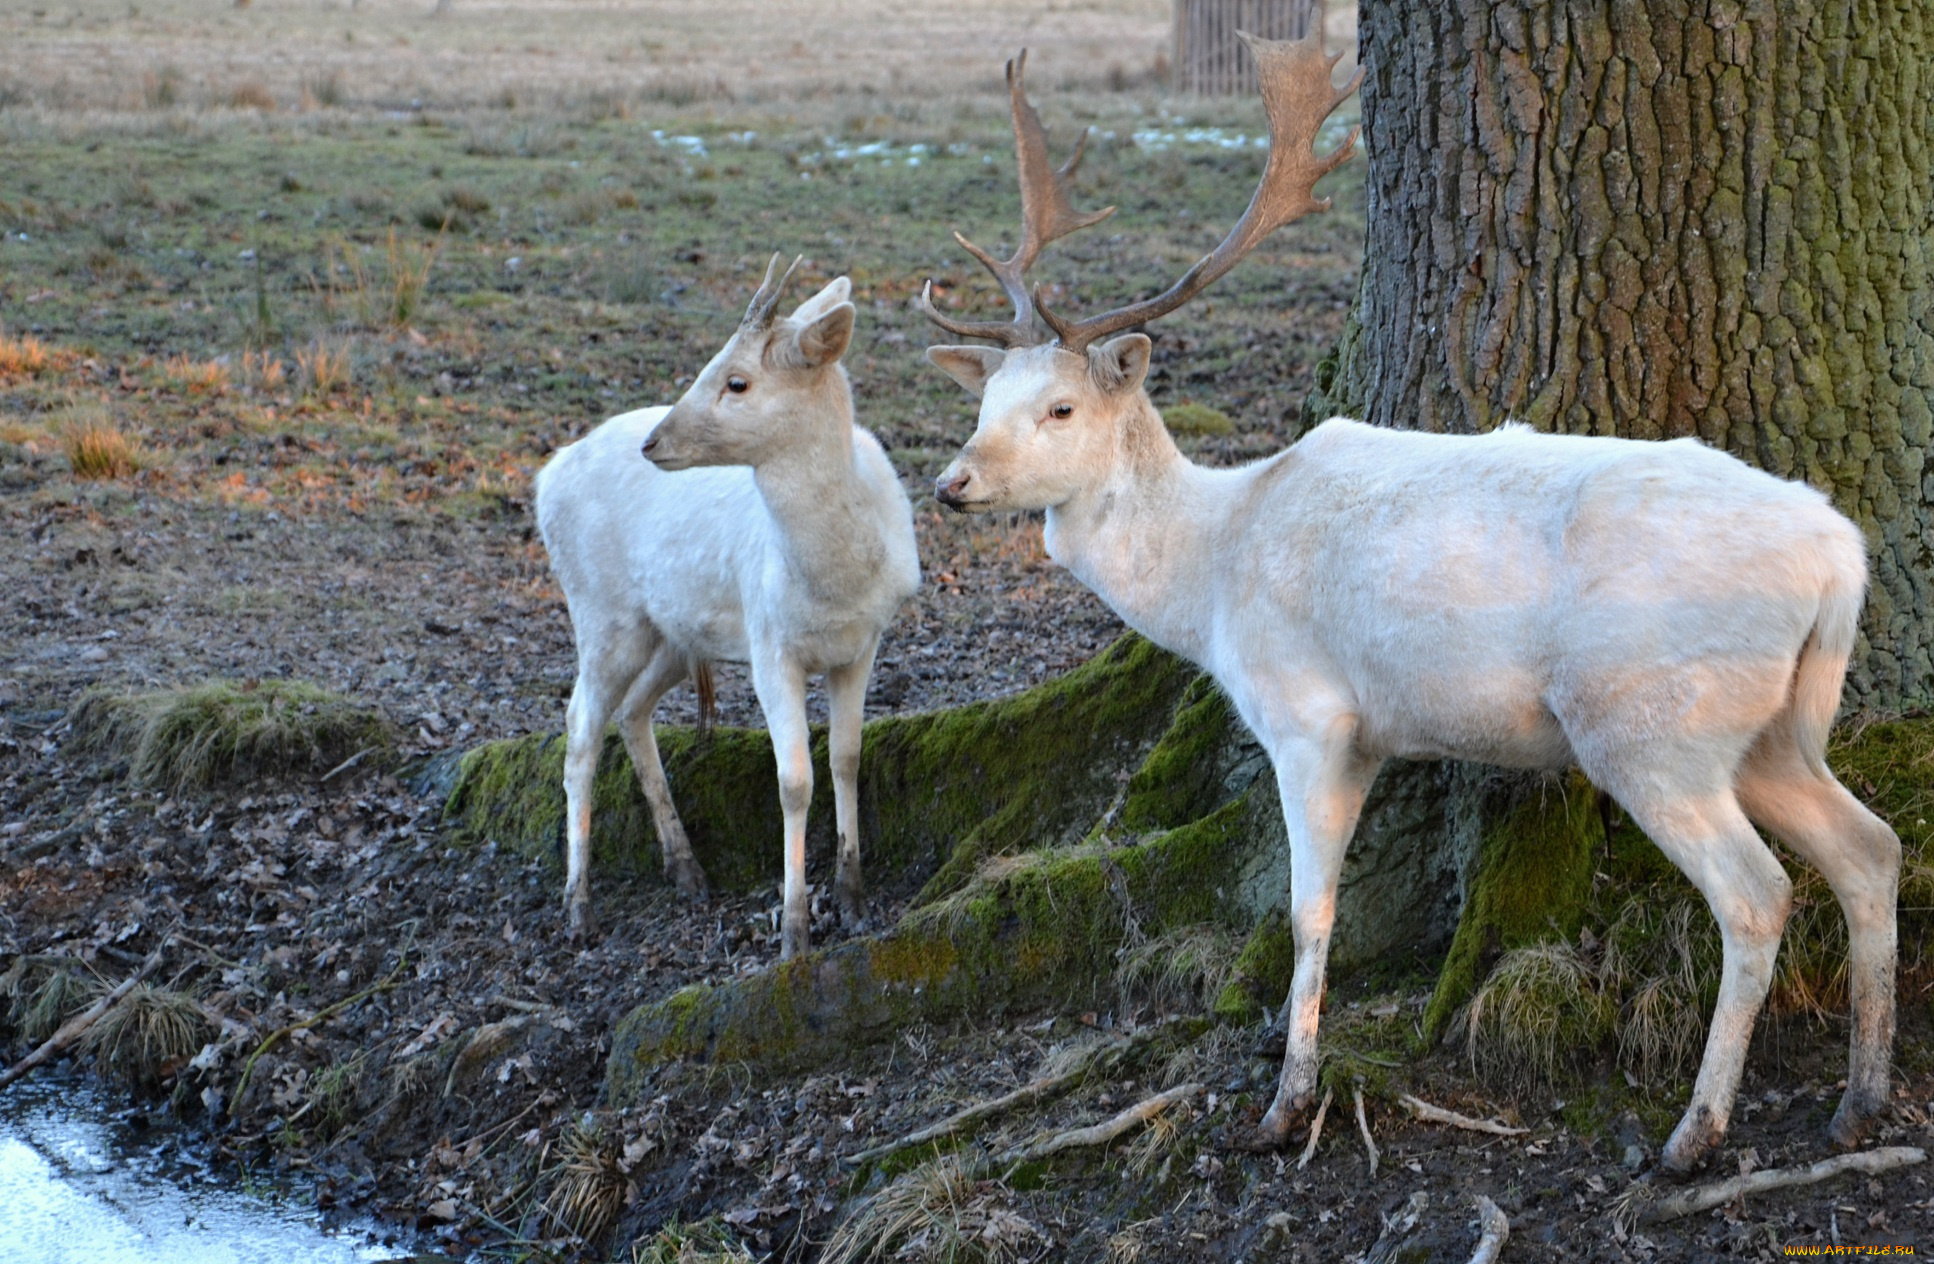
point(829, 536)
point(1144, 538)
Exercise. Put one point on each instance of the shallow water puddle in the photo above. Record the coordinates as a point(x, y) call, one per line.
point(79, 1185)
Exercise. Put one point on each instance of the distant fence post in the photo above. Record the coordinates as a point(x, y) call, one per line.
point(1208, 58)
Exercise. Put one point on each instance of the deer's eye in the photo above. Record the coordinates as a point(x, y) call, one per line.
point(736, 385)
point(1061, 412)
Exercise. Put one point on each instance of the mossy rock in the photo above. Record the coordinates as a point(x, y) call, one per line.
point(1032, 769)
point(1026, 932)
point(225, 730)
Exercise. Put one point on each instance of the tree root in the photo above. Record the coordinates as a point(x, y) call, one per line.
point(1642, 1204)
point(1429, 1114)
point(1107, 1056)
point(1363, 1126)
point(1047, 1144)
point(1315, 1129)
point(73, 1028)
point(390, 981)
point(1493, 1231)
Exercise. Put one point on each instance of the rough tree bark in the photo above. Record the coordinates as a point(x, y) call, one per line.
point(1657, 218)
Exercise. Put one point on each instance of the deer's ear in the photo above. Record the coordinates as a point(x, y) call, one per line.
point(815, 345)
point(969, 366)
point(1120, 364)
point(837, 291)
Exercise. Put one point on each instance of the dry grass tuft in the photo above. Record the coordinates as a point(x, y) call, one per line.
point(1159, 1140)
point(23, 357)
point(41, 996)
point(265, 371)
point(251, 94)
point(197, 377)
point(148, 1036)
point(936, 1212)
point(921, 1215)
point(198, 735)
point(97, 449)
point(589, 1187)
point(326, 367)
point(1538, 1016)
point(388, 293)
point(1185, 968)
point(704, 1242)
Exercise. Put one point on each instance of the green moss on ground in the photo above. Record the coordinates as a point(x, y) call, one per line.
point(1261, 976)
point(1533, 878)
point(196, 736)
point(1026, 931)
point(938, 791)
point(1642, 979)
point(1197, 419)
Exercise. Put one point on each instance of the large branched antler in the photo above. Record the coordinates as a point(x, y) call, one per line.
point(1298, 96)
point(1046, 214)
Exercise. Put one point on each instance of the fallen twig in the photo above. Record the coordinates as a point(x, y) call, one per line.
point(1093, 1135)
point(1315, 1129)
point(1033, 1091)
point(71, 1030)
point(1493, 1231)
point(389, 981)
point(1642, 1204)
point(1363, 1125)
point(346, 765)
point(1438, 1115)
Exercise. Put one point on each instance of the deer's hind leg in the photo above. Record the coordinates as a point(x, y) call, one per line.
point(666, 668)
point(1680, 794)
point(609, 662)
point(1794, 798)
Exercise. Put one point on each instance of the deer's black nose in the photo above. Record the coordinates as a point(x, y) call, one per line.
point(952, 491)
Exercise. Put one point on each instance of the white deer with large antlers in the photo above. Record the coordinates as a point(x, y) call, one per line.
point(1660, 614)
point(793, 556)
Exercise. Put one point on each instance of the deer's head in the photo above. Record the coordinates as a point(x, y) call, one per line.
point(1056, 393)
point(762, 387)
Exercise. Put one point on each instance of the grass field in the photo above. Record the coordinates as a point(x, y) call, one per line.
point(346, 305)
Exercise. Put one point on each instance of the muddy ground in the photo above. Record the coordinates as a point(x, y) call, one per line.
point(425, 1041)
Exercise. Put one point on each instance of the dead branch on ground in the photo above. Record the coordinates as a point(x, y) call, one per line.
point(1094, 1135)
point(1493, 1231)
point(1642, 1204)
point(1315, 1130)
point(1363, 1125)
point(1429, 1114)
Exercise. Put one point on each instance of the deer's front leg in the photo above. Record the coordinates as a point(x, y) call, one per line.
point(1323, 782)
point(781, 687)
point(846, 697)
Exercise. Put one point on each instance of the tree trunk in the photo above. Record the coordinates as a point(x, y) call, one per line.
point(1658, 218)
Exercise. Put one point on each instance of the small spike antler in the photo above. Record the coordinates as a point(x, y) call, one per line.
point(1046, 214)
point(759, 314)
point(1298, 96)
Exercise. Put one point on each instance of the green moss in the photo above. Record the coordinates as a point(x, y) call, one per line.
point(1533, 877)
point(1262, 972)
point(1197, 419)
point(938, 791)
point(1179, 780)
point(1027, 931)
point(202, 734)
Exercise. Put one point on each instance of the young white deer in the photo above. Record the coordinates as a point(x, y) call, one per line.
point(792, 557)
point(1658, 613)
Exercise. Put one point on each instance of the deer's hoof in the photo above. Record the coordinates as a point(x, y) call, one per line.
point(1692, 1145)
point(690, 881)
point(1853, 1122)
point(583, 924)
